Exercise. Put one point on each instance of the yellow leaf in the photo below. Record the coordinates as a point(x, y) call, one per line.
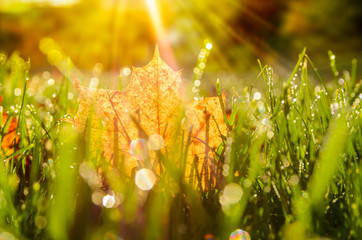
point(150, 110)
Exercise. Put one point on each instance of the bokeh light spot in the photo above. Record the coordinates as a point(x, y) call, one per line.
point(257, 96)
point(51, 82)
point(97, 197)
point(232, 194)
point(138, 149)
point(145, 179)
point(108, 201)
point(40, 222)
point(156, 142)
point(126, 71)
point(17, 92)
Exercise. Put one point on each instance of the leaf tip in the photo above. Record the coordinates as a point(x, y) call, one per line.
point(157, 52)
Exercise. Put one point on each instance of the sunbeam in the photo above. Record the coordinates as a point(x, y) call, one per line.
point(161, 36)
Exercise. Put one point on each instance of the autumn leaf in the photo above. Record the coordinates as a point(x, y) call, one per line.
point(146, 118)
point(8, 127)
point(205, 118)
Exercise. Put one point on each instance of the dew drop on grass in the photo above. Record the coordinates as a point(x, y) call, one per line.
point(145, 179)
point(196, 71)
point(257, 96)
point(239, 234)
point(208, 46)
point(197, 83)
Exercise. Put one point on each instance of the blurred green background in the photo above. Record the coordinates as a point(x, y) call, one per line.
point(120, 33)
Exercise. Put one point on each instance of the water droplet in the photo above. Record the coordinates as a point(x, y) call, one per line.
point(257, 96)
point(145, 179)
point(197, 83)
point(208, 46)
point(196, 71)
point(239, 234)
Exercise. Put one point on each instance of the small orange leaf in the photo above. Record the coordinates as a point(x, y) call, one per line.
point(7, 143)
